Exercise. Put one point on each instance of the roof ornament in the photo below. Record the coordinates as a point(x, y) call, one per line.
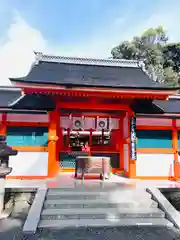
point(38, 56)
point(142, 65)
point(88, 61)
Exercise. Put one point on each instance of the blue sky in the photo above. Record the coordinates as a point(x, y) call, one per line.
point(87, 28)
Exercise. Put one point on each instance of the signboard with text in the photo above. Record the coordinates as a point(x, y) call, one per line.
point(133, 138)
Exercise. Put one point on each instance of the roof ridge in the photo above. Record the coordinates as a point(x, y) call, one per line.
point(89, 61)
point(10, 88)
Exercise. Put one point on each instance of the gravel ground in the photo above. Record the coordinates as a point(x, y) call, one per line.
point(129, 233)
point(10, 229)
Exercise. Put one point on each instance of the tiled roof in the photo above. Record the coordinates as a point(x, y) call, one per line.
point(170, 106)
point(8, 95)
point(34, 102)
point(11, 98)
point(83, 72)
point(146, 107)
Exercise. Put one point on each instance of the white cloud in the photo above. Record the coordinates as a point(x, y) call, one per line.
point(16, 55)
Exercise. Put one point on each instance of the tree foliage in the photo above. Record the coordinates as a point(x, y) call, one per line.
point(161, 59)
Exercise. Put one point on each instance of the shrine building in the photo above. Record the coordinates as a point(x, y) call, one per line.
point(111, 104)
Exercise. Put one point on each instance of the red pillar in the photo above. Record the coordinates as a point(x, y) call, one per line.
point(53, 158)
point(175, 148)
point(121, 144)
point(3, 125)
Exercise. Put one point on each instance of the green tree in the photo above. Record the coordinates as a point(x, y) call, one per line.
point(152, 48)
point(172, 56)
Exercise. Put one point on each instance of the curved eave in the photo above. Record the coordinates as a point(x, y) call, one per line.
point(20, 82)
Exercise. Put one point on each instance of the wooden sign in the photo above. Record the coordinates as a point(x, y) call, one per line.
point(133, 138)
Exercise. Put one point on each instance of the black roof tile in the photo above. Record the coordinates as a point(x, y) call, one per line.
point(35, 102)
point(11, 99)
point(146, 107)
point(169, 106)
point(8, 95)
point(89, 73)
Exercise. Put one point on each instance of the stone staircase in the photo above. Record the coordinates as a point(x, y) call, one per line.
point(99, 207)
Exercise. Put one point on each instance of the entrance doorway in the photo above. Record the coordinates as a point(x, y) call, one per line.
point(104, 140)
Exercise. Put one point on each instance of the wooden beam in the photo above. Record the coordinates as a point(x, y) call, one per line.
point(99, 107)
point(94, 91)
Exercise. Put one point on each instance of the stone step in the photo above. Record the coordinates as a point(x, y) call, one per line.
point(96, 203)
point(82, 189)
point(112, 196)
point(69, 204)
point(75, 193)
point(74, 223)
point(101, 213)
point(76, 196)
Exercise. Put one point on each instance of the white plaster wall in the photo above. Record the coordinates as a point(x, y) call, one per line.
point(126, 158)
point(155, 165)
point(27, 117)
point(29, 164)
point(153, 122)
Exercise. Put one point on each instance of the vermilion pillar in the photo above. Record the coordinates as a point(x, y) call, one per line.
point(3, 125)
point(53, 158)
point(175, 148)
point(121, 142)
